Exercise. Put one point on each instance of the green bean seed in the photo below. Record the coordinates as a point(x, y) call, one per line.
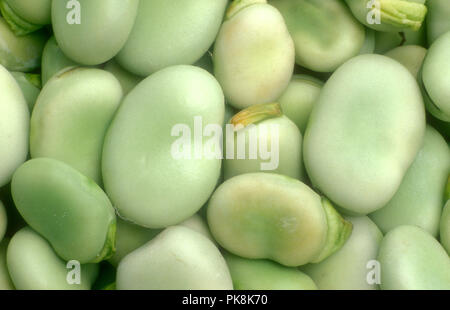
point(33, 265)
point(66, 208)
point(411, 259)
point(179, 258)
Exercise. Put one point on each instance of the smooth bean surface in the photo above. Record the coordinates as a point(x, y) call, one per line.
point(70, 210)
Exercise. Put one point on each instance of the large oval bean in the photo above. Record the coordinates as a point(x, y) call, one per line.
point(419, 199)
point(347, 268)
point(411, 259)
point(179, 258)
point(324, 32)
point(33, 265)
point(101, 32)
point(14, 126)
point(253, 54)
point(364, 133)
point(71, 116)
point(261, 274)
point(265, 215)
point(67, 208)
point(147, 182)
point(171, 32)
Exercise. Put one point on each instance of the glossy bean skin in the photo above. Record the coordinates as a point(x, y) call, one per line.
point(70, 210)
point(299, 98)
point(25, 16)
point(271, 216)
point(30, 84)
point(435, 78)
point(347, 268)
point(419, 199)
point(259, 274)
point(324, 32)
point(5, 279)
point(411, 259)
point(86, 42)
point(14, 126)
point(395, 15)
point(33, 265)
point(147, 184)
point(445, 227)
point(170, 32)
point(179, 258)
point(20, 53)
point(364, 133)
point(438, 22)
point(271, 128)
point(253, 54)
point(71, 117)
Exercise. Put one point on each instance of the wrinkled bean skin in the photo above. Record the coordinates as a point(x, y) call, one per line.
point(111, 19)
point(253, 55)
point(419, 199)
point(70, 210)
point(75, 104)
point(265, 215)
point(347, 268)
point(168, 190)
point(411, 259)
point(24, 16)
point(324, 32)
point(170, 32)
point(179, 258)
point(364, 133)
point(33, 265)
point(14, 126)
point(258, 274)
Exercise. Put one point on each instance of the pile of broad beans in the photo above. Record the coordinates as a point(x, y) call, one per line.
point(246, 144)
